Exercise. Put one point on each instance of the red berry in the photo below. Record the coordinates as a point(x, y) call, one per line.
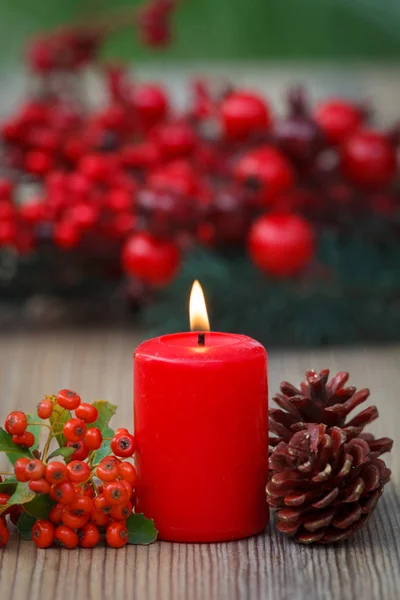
point(38, 162)
point(127, 472)
point(100, 518)
point(120, 512)
point(66, 537)
point(117, 535)
point(119, 201)
point(78, 471)
point(16, 423)
point(74, 430)
point(144, 155)
point(82, 505)
point(44, 139)
point(89, 536)
point(26, 439)
point(178, 177)
point(101, 504)
point(338, 119)
point(39, 486)
point(93, 438)
point(128, 486)
point(281, 244)
point(150, 102)
point(45, 409)
point(4, 533)
point(87, 412)
point(43, 533)
point(35, 469)
point(95, 167)
point(121, 430)
point(66, 235)
point(73, 520)
point(175, 139)
point(368, 159)
point(81, 450)
point(4, 499)
point(123, 445)
point(266, 170)
point(20, 469)
point(83, 216)
point(84, 489)
point(150, 259)
point(56, 513)
point(243, 114)
point(115, 493)
point(56, 472)
point(107, 470)
point(68, 399)
point(63, 492)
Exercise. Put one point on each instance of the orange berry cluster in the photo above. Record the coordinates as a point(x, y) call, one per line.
point(87, 495)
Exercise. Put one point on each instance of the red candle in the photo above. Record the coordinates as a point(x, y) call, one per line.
point(201, 427)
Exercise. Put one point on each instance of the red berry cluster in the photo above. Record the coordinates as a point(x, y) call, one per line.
point(137, 182)
point(86, 496)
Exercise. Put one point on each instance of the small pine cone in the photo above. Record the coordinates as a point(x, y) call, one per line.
point(324, 487)
point(321, 401)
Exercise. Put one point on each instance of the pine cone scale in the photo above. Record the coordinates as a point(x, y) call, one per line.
point(336, 384)
point(328, 499)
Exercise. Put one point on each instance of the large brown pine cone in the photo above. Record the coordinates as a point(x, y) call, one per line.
point(324, 487)
point(321, 401)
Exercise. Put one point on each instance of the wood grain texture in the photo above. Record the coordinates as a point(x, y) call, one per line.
point(267, 567)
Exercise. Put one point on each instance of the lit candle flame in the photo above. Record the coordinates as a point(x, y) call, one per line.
point(197, 309)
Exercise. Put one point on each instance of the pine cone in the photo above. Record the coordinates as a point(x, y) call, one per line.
point(320, 401)
point(324, 487)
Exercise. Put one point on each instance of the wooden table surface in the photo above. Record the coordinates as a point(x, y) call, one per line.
point(268, 567)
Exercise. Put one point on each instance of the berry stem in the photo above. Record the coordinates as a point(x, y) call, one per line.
point(51, 436)
point(6, 473)
point(40, 424)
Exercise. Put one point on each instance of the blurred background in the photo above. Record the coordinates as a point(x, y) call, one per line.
point(333, 48)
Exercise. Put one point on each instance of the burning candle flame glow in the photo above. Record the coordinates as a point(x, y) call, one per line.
point(197, 309)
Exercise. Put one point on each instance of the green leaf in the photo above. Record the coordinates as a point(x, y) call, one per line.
point(8, 486)
point(105, 448)
point(21, 495)
point(61, 415)
point(25, 524)
point(106, 412)
point(35, 429)
point(12, 450)
point(141, 530)
point(65, 452)
point(40, 506)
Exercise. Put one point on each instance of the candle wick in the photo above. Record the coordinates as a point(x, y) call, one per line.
point(201, 339)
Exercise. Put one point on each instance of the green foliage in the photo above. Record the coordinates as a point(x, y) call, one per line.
point(61, 415)
point(21, 495)
point(25, 524)
point(105, 448)
point(12, 451)
point(8, 485)
point(40, 506)
point(35, 429)
point(106, 411)
point(141, 530)
point(351, 294)
point(234, 28)
point(65, 452)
